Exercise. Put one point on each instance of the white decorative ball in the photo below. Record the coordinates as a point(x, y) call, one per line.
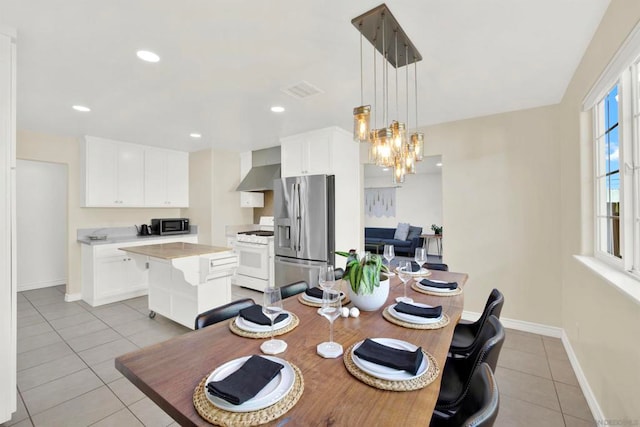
point(354, 312)
point(345, 312)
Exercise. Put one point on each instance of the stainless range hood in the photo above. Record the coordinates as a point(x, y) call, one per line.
point(265, 168)
point(260, 178)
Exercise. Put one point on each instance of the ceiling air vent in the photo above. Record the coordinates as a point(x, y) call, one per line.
point(302, 90)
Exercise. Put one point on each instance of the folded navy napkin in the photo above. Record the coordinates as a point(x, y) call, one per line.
point(314, 292)
point(432, 284)
point(414, 310)
point(247, 381)
point(254, 314)
point(415, 267)
point(391, 357)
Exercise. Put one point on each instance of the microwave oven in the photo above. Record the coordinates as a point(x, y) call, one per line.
point(164, 226)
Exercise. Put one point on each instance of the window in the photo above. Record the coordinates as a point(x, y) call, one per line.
point(617, 181)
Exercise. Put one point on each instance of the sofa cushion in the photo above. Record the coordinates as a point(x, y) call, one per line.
point(414, 232)
point(402, 230)
point(398, 243)
point(378, 233)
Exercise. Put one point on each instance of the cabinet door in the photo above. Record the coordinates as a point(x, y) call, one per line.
point(318, 155)
point(155, 178)
point(101, 174)
point(293, 161)
point(110, 276)
point(130, 175)
point(177, 179)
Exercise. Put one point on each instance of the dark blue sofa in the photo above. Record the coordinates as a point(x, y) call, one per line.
point(384, 236)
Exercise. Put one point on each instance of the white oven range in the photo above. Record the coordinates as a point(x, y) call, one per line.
point(255, 259)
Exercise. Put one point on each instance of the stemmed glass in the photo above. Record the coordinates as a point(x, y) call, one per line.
point(389, 254)
point(404, 273)
point(331, 309)
point(420, 256)
point(326, 277)
point(272, 307)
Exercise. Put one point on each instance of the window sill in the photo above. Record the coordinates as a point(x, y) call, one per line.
point(622, 281)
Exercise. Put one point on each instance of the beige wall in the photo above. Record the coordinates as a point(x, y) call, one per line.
point(603, 325)
point(213, 178)
point(500, 208)
point(58, 149)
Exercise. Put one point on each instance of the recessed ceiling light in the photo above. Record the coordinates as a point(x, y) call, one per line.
point(195, 135)
point(277, 109)
point(148, 56)
point(81, 108)
point(439, 164)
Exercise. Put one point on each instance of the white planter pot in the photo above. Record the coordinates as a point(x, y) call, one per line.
point(371, 302)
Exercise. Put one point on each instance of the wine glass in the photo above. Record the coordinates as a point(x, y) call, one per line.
point(326, 277)
point(331, 309)
point(389, 254)
point(420, 256)
point(404, 273)
point(272, 307)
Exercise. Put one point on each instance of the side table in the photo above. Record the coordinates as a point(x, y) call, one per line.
point(427, 239)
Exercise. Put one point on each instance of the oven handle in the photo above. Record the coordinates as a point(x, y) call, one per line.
point(250, 245)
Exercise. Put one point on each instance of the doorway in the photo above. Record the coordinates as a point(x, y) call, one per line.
point(41, 224)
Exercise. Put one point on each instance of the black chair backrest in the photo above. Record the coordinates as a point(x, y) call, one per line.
point(435, 266)
point(338, 273)
point(490, 340)
point(492, 307)
point(480, 405)
point(293, 289)
point(223, 312)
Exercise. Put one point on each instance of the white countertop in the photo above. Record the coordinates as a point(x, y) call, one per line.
point(124, 235)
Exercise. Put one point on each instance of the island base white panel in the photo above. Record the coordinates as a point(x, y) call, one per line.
point(171, 296)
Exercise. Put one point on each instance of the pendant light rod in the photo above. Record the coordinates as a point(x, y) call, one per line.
point(406, 52)
point(361, 74)
point(396, 49)
point(415, 73)
point(375, 91)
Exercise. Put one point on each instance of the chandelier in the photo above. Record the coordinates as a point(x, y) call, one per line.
point(390, 147)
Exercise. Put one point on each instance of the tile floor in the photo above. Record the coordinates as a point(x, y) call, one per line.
point(66, 374)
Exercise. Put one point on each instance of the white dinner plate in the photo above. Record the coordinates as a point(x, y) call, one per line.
point(384, 372)
point(423, 272)
point(318, 300)
point(270, 394)
point(429, 288)
point(248, 326)
point(411, 318)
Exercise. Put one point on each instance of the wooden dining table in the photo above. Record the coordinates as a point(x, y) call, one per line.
point(168, 372)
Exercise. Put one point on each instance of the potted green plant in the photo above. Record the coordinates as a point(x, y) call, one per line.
point(437, 229)
point(368, 285)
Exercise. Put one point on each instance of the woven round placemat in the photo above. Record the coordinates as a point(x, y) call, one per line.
point(220, 417)
point(435, 325)
point(345, 301)
point(417, 288)
point(414, 384)
point(267, 334)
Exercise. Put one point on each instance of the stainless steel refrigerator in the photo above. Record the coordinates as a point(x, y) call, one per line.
point(304, 211)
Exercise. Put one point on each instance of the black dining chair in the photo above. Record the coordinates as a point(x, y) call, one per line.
point(223, 312)
point(435, 266)
point(465, 334)
point(293, 289)
point(457, 372)
point(479, 408)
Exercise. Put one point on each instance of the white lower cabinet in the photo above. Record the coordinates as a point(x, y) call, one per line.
point(110, 275)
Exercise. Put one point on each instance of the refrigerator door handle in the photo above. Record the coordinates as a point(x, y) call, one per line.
point(299, 219)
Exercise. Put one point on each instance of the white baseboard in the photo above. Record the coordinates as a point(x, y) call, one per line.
point(520, 325)
point(72, 297)
point(555, 332)
point(596, 411)
point(39, 285)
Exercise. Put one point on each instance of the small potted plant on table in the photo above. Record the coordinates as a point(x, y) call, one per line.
point(368, 285)
point(437, 229)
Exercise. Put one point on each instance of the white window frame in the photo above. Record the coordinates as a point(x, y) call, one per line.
point(624, 70)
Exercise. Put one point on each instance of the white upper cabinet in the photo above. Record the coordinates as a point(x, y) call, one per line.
point(166, 178)
point(119, 174)
point(307, 154)
point(113, 173)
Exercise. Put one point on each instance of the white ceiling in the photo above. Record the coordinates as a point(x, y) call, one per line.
point(224, 63)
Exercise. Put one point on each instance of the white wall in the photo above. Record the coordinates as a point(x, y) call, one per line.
point(418, 201)
point(41, 223)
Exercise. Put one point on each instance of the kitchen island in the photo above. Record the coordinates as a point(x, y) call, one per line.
point(186, 279)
